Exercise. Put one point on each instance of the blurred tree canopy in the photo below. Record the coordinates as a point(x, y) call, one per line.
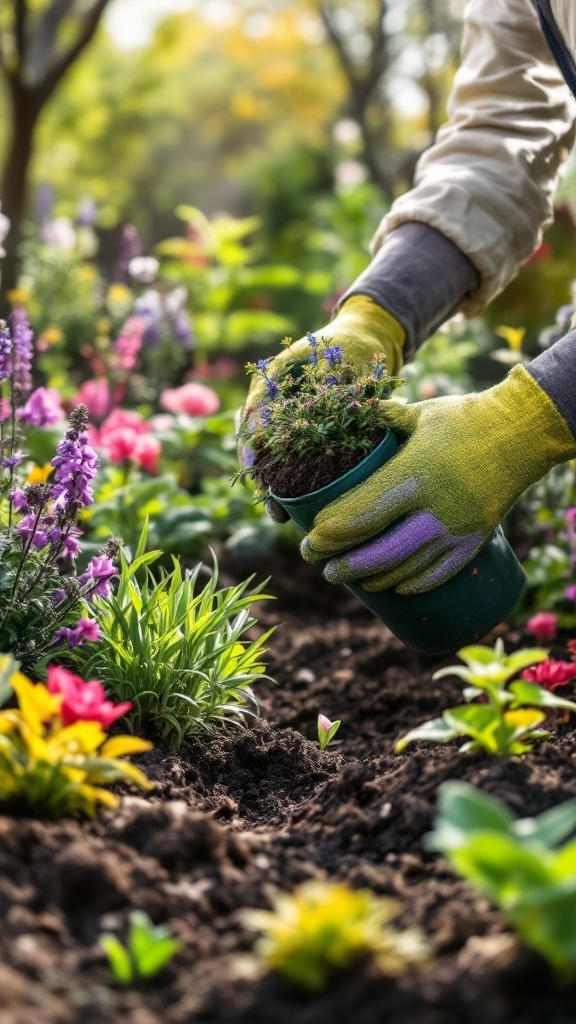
point(214, 110)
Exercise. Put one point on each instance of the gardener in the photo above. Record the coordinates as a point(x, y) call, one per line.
point(482, 198)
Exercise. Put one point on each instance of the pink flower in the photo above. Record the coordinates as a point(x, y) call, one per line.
point(543, 626)
point(95, 395)
point(42, 408)
point(570, 593)
point(550, 673)
point(120, 418)
point(192, 399)
point(83, 702)
point(324, 723)
point(126, 437)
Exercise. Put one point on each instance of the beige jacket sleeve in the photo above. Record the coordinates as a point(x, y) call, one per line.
point(488, 181)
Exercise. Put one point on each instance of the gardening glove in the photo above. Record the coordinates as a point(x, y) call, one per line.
point(464, 463)
point(362, 329)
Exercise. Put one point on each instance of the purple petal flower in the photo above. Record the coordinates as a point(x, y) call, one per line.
point(85, 630)
point(570, 593)
point(19, 501)
point(99, 571)
point(11, 461)
point(42, 408)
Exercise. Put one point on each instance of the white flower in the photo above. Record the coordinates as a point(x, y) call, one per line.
point(143, 269)
point(4, 229)
point(60, 234)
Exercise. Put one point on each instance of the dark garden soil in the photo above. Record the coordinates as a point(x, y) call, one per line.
point(236, 820)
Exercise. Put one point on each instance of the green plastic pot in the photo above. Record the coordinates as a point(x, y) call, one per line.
point(456, 613)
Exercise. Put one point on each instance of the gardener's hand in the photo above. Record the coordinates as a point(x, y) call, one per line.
point(464, 463)
point(361, 328)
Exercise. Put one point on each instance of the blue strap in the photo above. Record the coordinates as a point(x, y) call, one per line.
point(554, 38)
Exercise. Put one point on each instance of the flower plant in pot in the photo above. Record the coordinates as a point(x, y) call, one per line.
point(318, 432)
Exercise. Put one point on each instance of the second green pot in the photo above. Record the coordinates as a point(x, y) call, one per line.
point(456, 613)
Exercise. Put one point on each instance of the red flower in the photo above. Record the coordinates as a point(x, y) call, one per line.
point(572, 648)
point(83, 702)
point(550, 673)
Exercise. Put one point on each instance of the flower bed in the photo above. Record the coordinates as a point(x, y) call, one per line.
point(255, 812)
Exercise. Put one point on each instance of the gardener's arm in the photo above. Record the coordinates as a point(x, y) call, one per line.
point(486, 186)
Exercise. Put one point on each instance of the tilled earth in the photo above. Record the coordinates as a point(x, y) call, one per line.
point(235, 820)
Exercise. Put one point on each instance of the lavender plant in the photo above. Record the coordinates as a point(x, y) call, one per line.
point(320, 410)
point(40, 591)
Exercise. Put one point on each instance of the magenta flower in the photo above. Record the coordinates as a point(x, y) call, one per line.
point(570, 593)
point(192, 399)
point(551, 673)
point(42, 408)
point(83, 702)
point(543, 626)
point(85, 631)
point(326, 730)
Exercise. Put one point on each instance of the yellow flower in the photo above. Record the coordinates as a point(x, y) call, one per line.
point(513, 335)
point(39, 474)
point(36, 704)
point(118, 294)
point(87, 272)
point(18, 296)
point(524, 717)
point(52, 335)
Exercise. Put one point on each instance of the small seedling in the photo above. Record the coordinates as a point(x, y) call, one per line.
point(149, 948)
point(324, 927)
point(327, 730)
point(518, 864)
point(508, 720)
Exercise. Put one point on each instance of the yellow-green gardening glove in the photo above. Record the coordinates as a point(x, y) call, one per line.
point(463, 464)
point(361, 328)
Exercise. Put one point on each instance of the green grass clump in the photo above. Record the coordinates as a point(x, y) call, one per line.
point(177, 651)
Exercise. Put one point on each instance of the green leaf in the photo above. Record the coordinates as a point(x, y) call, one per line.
point(549, 828)
point(463, 810)
point(118, 958)
point(532, 695)
point(436, 731)
point(500, 867)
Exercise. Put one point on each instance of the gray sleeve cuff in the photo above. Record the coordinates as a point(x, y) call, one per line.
point(555, 372)
point(418, 276)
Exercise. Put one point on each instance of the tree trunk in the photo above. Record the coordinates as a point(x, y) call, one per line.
point(24, 110)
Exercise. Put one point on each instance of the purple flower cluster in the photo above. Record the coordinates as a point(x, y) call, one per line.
point(5, 351)
point(22, 352)
point(76, 464)
point(333, 355)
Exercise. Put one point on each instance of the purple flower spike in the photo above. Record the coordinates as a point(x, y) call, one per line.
point(5, 351)
point(21, 352)
point(76, 464)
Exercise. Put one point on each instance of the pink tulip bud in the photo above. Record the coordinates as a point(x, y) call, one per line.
point(324, 723)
